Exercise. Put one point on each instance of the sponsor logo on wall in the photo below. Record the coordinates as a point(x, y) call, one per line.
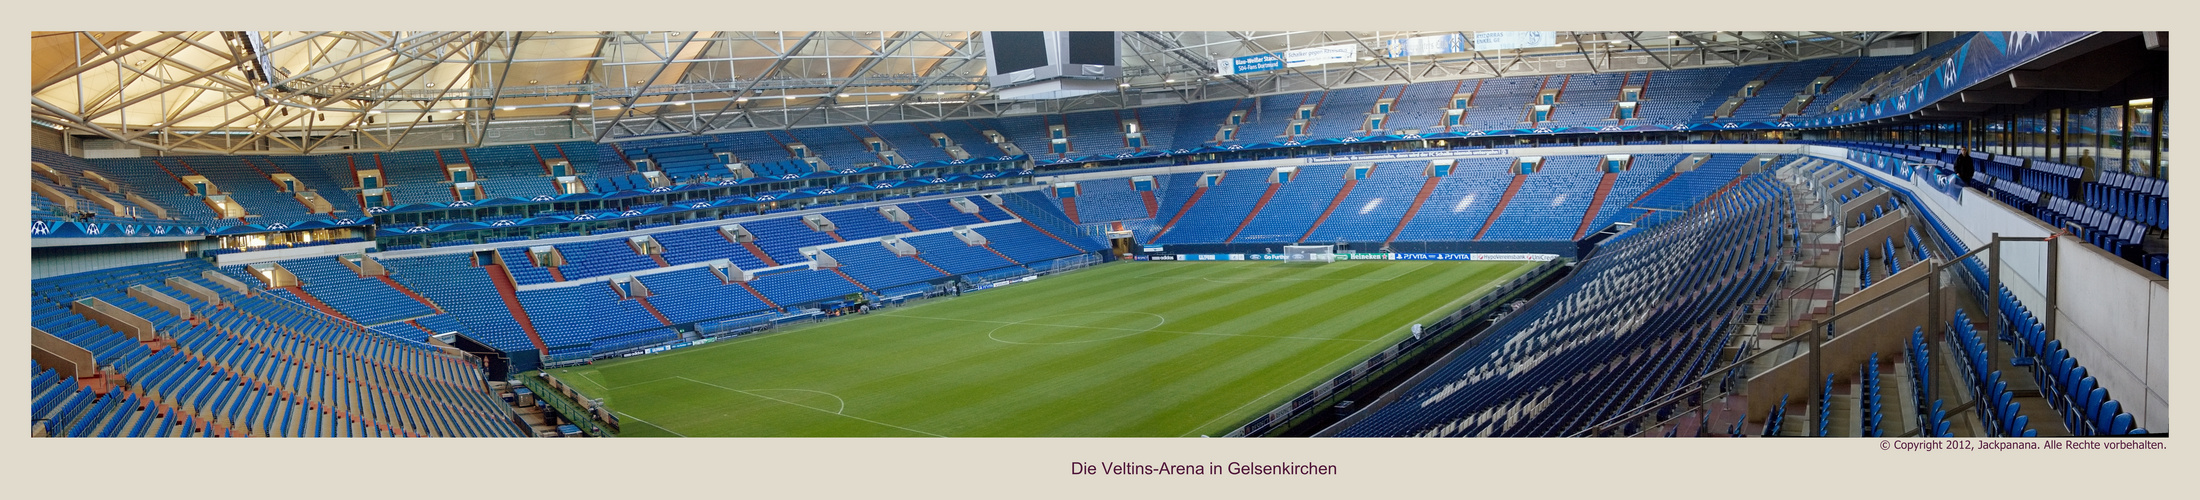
point(1531, 257)
point(1431, 256)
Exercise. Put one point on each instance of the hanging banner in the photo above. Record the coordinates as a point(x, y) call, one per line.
point(1426, 45)
point(1248, 64)
point(1315, 56)
point(1504, 40)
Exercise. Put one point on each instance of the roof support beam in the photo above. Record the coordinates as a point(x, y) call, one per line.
point(832, 96)
point(741, 93)
point(80, 68)
point(626, 105)
point(1242, 38)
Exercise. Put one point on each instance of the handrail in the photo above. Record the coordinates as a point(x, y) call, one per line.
point(1696, 386)
point(1698, 383)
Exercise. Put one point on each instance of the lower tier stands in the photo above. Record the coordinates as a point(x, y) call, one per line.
point(256, 365)
point(1637, 319)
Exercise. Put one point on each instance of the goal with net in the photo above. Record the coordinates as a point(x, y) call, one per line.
point(1310, 253)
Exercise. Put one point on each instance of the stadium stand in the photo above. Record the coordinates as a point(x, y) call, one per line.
point(258, 366)
point(1657, 330)
point(1561, 365)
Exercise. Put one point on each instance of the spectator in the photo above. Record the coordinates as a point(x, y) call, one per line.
point(1963, 166)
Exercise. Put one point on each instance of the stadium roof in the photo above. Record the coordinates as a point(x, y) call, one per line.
point(319, 91)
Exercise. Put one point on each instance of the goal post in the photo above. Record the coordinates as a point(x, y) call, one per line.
point(1310, 253)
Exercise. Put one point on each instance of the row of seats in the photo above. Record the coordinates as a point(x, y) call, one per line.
point(593, 319)
point(1646, 315)
point(2143, 199)
point(2116, 210)
point(1549, 206)
point(1499, 103)
point(2119, 236)
point(2063, 383)
point(2088, 410)
point(1931, 420)
point(365, 300)
point(1870, 406)
point(257, 366)
point(1993, 398)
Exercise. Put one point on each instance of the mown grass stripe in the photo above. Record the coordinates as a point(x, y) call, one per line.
point(1207, 367)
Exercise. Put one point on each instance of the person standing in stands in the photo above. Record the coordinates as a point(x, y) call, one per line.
point(1964, 168)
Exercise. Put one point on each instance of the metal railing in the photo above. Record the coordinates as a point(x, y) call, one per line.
point(572, 412)
point(1934, 297)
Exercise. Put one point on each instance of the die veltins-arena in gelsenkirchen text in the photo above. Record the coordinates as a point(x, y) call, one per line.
point(1098, 233)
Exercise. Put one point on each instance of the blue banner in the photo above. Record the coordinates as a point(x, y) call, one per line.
point(63, 229)
point(1985, 55)
point(1248, 64)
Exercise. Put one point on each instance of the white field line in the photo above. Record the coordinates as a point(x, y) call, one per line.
point(819, 410)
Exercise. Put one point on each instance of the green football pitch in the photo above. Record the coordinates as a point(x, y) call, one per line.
point(1121, 349)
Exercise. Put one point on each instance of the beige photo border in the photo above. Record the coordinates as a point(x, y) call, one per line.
point(1038, 467)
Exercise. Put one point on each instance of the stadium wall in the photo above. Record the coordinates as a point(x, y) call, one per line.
point(56, 261)
point(2113, 317)
point(1565, 249)
point(279, 254)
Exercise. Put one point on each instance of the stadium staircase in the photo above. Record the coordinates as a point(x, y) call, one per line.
point(310, 300)
point(1187, 208)
point(1153, 206)
point(1069, 208)
point(644, 301)
point(1510, 190)
point(1427, 187)
point(1041, 230)
point(1596, 203)
point(759, 253)
point(1263, 202)
point(989, 248)
point(920, 260)
point(852, 280)
point(1654, 188)
point(760, 296)
point(409, 292)
point(1341, 194)
point(509, 290)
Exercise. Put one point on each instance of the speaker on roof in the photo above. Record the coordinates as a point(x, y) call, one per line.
point(1051, 64)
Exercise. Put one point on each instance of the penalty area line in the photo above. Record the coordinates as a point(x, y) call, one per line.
point(813, 408)
point(639, 419)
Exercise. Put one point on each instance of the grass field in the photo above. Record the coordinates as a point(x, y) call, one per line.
point(1122, 349)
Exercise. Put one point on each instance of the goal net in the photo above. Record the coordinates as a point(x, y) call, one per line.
point(1310, 253)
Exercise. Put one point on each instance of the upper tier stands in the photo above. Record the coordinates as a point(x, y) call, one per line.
point(1669, 97)
point(1550, 205)
point(74, 172)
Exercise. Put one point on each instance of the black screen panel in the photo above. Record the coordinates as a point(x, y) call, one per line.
point(1092, 47)
point(1015, 51)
